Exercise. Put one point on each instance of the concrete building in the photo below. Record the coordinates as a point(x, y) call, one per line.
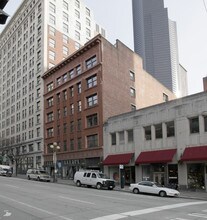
point(155, 40)
point(96, 82)
point(166, 143)
point(39, 35)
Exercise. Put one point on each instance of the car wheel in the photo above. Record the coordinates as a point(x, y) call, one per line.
point(28, 177)
point(135, 190)
point(162, 193)
point(98, 186)
point(78, 183)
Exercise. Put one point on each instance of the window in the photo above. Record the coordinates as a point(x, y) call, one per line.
point(72, 109)
point(91, 62)
point(148, 134)
point(71, 91)
point(88, 32)
point(77, 4)
point(88, 22)
point(65, 111)
point(79, 106)
point(79, 143)
point(92, 141)
point(58, 98)
point(50, 117)
point(50, 132)
point(65, 77)
point(52, 43)
point(72, 126)
point(132, 76)
point(65, 94)
point(50, 86)
point(130, 135)
point(65, 145)
point(165, 97)
point(52, 7)
point(205, 123)
point(194, 125)
point(113, 138)
point(170, 129)
point(132, 92)
point(79, 88)
point(65, 50)
point(65, 5)
point(92, 120)
point(88, 13)
point(79, 125)
point(78, 25)
point(91, 81)
point(51, 55)
point(77, 14)
point(65, 39)
point(50, 102)
point(65, 17)
point(77, 35)
point(158, 131)
point(58, 81)
point(71, 144)
point(52, 31)
point(78, 69)
point(65, 128)
point(92, 100)
point(65, 28)
point(72, 73)
point(121, 137)
point(52, 19)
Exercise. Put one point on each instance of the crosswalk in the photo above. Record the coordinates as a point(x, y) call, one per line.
point(201, 215)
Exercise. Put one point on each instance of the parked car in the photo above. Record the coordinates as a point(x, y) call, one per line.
point(93, 178)
point(5, 170)
point(152, 188)
point(39, 175)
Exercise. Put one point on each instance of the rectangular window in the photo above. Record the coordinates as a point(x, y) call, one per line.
point(132, 76)
point(165, 97)
point(79, 125)
point(51, 31)
point(78, 25)
point(194, 125)
point(64, 145)
point(58, 81)
point(65, 28)
point(72, 126)
point(92, 120)
point(65, 39)
point(72, 109)
point(65, 95)
point(158, 131)
point(79, 88)
point(132, 92)
point(88, 13)
point(79, 106)
point(50, 102)
point(65, 111)
point(71, 144)
point(79, 143)
point(92, 141)
point(92, 100)
point(71, 91)
point(52, 43)
point(50, 132)
point(77, 35)
point(65, 128)
point(65, 50)
point(113, 138)
point(50, 117)
point(51, 55)
point(52, 19)
point(65, 17)
point(205, 123)
point(51, 7)
point(148, 134)
point(91, 81)
point(121, 137)
point(72, 73)
point(65, 77)
point(65, 5)
point(50, 87)
point(170, 129)
point(130, 135)
point(91, 62)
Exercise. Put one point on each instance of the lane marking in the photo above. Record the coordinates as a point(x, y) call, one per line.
point(146, 211)
point(199, 215)
point(76, 200)
point(36, 208)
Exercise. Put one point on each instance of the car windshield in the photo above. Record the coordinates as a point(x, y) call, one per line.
point(43, 172)
point(102, 175)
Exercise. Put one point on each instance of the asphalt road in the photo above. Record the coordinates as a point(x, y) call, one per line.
point(21, 199)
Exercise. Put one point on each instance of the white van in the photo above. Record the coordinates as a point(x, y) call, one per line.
point(93, 178)
point(5, 170)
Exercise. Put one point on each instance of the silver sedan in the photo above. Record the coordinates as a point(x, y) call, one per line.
point(152, 188)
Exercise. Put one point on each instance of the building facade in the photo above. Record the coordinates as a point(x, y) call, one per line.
point(166, 143)
point(155, 40)
point(96, 82)
point(39, 35)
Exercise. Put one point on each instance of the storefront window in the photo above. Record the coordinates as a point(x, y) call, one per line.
point(196, 176)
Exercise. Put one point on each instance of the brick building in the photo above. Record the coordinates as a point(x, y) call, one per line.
point(98, 81)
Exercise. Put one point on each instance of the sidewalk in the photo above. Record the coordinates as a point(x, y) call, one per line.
point(188, 194)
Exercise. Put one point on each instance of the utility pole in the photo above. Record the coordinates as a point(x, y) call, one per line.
point(3, 15)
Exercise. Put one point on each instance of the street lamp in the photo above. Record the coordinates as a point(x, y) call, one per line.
point(55, 147)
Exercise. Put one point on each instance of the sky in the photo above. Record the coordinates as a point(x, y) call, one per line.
point(191, 18)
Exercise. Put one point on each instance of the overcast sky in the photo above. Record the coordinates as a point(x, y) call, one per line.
point(191, 18)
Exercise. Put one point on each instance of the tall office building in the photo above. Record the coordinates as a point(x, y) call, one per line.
point(155, 40)
point(39, 35)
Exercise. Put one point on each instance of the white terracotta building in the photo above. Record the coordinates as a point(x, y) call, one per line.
point(166, 143)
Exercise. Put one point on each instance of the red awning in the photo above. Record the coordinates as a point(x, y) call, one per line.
point(158, 156)
point(117, 159)
point(194, 153)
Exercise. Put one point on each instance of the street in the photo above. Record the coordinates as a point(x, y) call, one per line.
point(21, 199)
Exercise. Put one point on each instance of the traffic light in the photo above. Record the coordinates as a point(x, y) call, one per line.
point(3, 15)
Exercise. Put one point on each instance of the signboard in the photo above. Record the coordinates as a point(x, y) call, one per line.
point(121, 166)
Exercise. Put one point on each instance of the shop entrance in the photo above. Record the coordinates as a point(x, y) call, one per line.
point(158, 177)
